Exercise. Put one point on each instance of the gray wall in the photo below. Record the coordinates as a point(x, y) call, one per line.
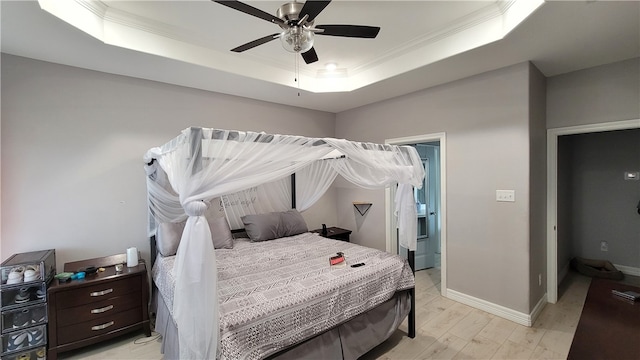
point(349, 218)
point(72, 146)
point(486, 120)
point(538, 186)
point(603, 204)
point(595, 95)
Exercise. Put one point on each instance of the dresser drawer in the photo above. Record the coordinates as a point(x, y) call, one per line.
point(87, 329)
point(97, 292)
point(99, 309)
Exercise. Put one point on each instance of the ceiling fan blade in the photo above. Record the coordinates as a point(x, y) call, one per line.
point(313, 8)
point(256, 42)
point(358, 31)
point(248, 9)
point(310, 56)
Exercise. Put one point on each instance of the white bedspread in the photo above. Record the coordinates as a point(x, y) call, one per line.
point(277, 293)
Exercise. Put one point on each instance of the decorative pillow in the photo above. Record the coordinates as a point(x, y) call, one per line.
point(262, 227)
point(220, 233)
point(168, 237)
point(292, 223)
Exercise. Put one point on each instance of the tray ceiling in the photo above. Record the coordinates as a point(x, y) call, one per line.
point(421, 43)
point(413, 34)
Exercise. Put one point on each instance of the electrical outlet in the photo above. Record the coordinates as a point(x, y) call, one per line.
point(539, 279)
point(506, 195)
point(604, 246)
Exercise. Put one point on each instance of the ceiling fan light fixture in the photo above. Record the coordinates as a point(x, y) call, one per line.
point(297, 22)
point(297, 39)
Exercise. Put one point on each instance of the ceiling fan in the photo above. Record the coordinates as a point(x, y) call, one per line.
point(296, 19)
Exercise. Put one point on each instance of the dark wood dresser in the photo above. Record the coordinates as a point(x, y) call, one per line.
point(99, 307)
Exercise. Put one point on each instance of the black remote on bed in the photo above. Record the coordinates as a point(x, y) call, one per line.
point(357, 265)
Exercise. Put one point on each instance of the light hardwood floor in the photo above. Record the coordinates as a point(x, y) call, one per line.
point(445, 330)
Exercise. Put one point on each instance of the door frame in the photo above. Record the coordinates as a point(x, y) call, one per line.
point(552, 191)
point(391, 221)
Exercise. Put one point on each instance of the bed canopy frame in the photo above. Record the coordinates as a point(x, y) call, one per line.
point(201, 164)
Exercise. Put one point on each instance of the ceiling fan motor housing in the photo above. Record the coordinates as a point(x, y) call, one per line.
point(290, 13)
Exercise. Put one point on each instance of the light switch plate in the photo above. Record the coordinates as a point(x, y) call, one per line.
point(506, 195)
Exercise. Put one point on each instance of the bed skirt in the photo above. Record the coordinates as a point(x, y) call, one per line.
point(347, 341)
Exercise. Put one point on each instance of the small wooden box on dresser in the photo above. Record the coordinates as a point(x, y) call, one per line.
point(99, 307)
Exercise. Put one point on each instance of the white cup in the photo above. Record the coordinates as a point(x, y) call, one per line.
point(132, 257)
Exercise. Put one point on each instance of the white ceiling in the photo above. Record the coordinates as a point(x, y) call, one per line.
point(421, 43)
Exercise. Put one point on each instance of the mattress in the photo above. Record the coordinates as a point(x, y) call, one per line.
point(278, 293)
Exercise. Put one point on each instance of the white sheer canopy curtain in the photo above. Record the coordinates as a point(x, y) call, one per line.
point(159, 192)
point(312, 182)
point(201, 164)
point(374, 166)
point(270, 197)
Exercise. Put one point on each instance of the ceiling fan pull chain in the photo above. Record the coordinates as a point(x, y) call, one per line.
point(297, 67)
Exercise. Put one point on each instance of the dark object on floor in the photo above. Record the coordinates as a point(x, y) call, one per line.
point(596, 268)
point(609, 326)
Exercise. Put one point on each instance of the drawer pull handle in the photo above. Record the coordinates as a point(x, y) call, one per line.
point(101, 310)
point(103, 326)
point(100, 293)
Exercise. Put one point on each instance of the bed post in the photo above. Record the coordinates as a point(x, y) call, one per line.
point(412, 313)
point(293, 190)
point(154, 249)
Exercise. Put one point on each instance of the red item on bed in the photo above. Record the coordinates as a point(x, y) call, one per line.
point(336, 259)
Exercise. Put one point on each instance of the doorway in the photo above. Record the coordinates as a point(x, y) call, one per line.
point(427, 198)
point(552, 192)
point(431, 203)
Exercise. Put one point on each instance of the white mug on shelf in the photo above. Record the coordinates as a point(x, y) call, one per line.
point(132, 257)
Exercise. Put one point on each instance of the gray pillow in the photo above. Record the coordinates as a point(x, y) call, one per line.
point(168, 237)
point(262, 227)
point(220, 233)
point(292, 223)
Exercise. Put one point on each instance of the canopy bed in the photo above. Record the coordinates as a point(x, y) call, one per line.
point(271, 291)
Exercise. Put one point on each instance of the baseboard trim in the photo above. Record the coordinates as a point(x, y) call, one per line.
point(538, 309)
point(499, 310)
point(628, 270)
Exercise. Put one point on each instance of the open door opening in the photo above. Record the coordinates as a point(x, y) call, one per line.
point(427, 254)
point(431, 241)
